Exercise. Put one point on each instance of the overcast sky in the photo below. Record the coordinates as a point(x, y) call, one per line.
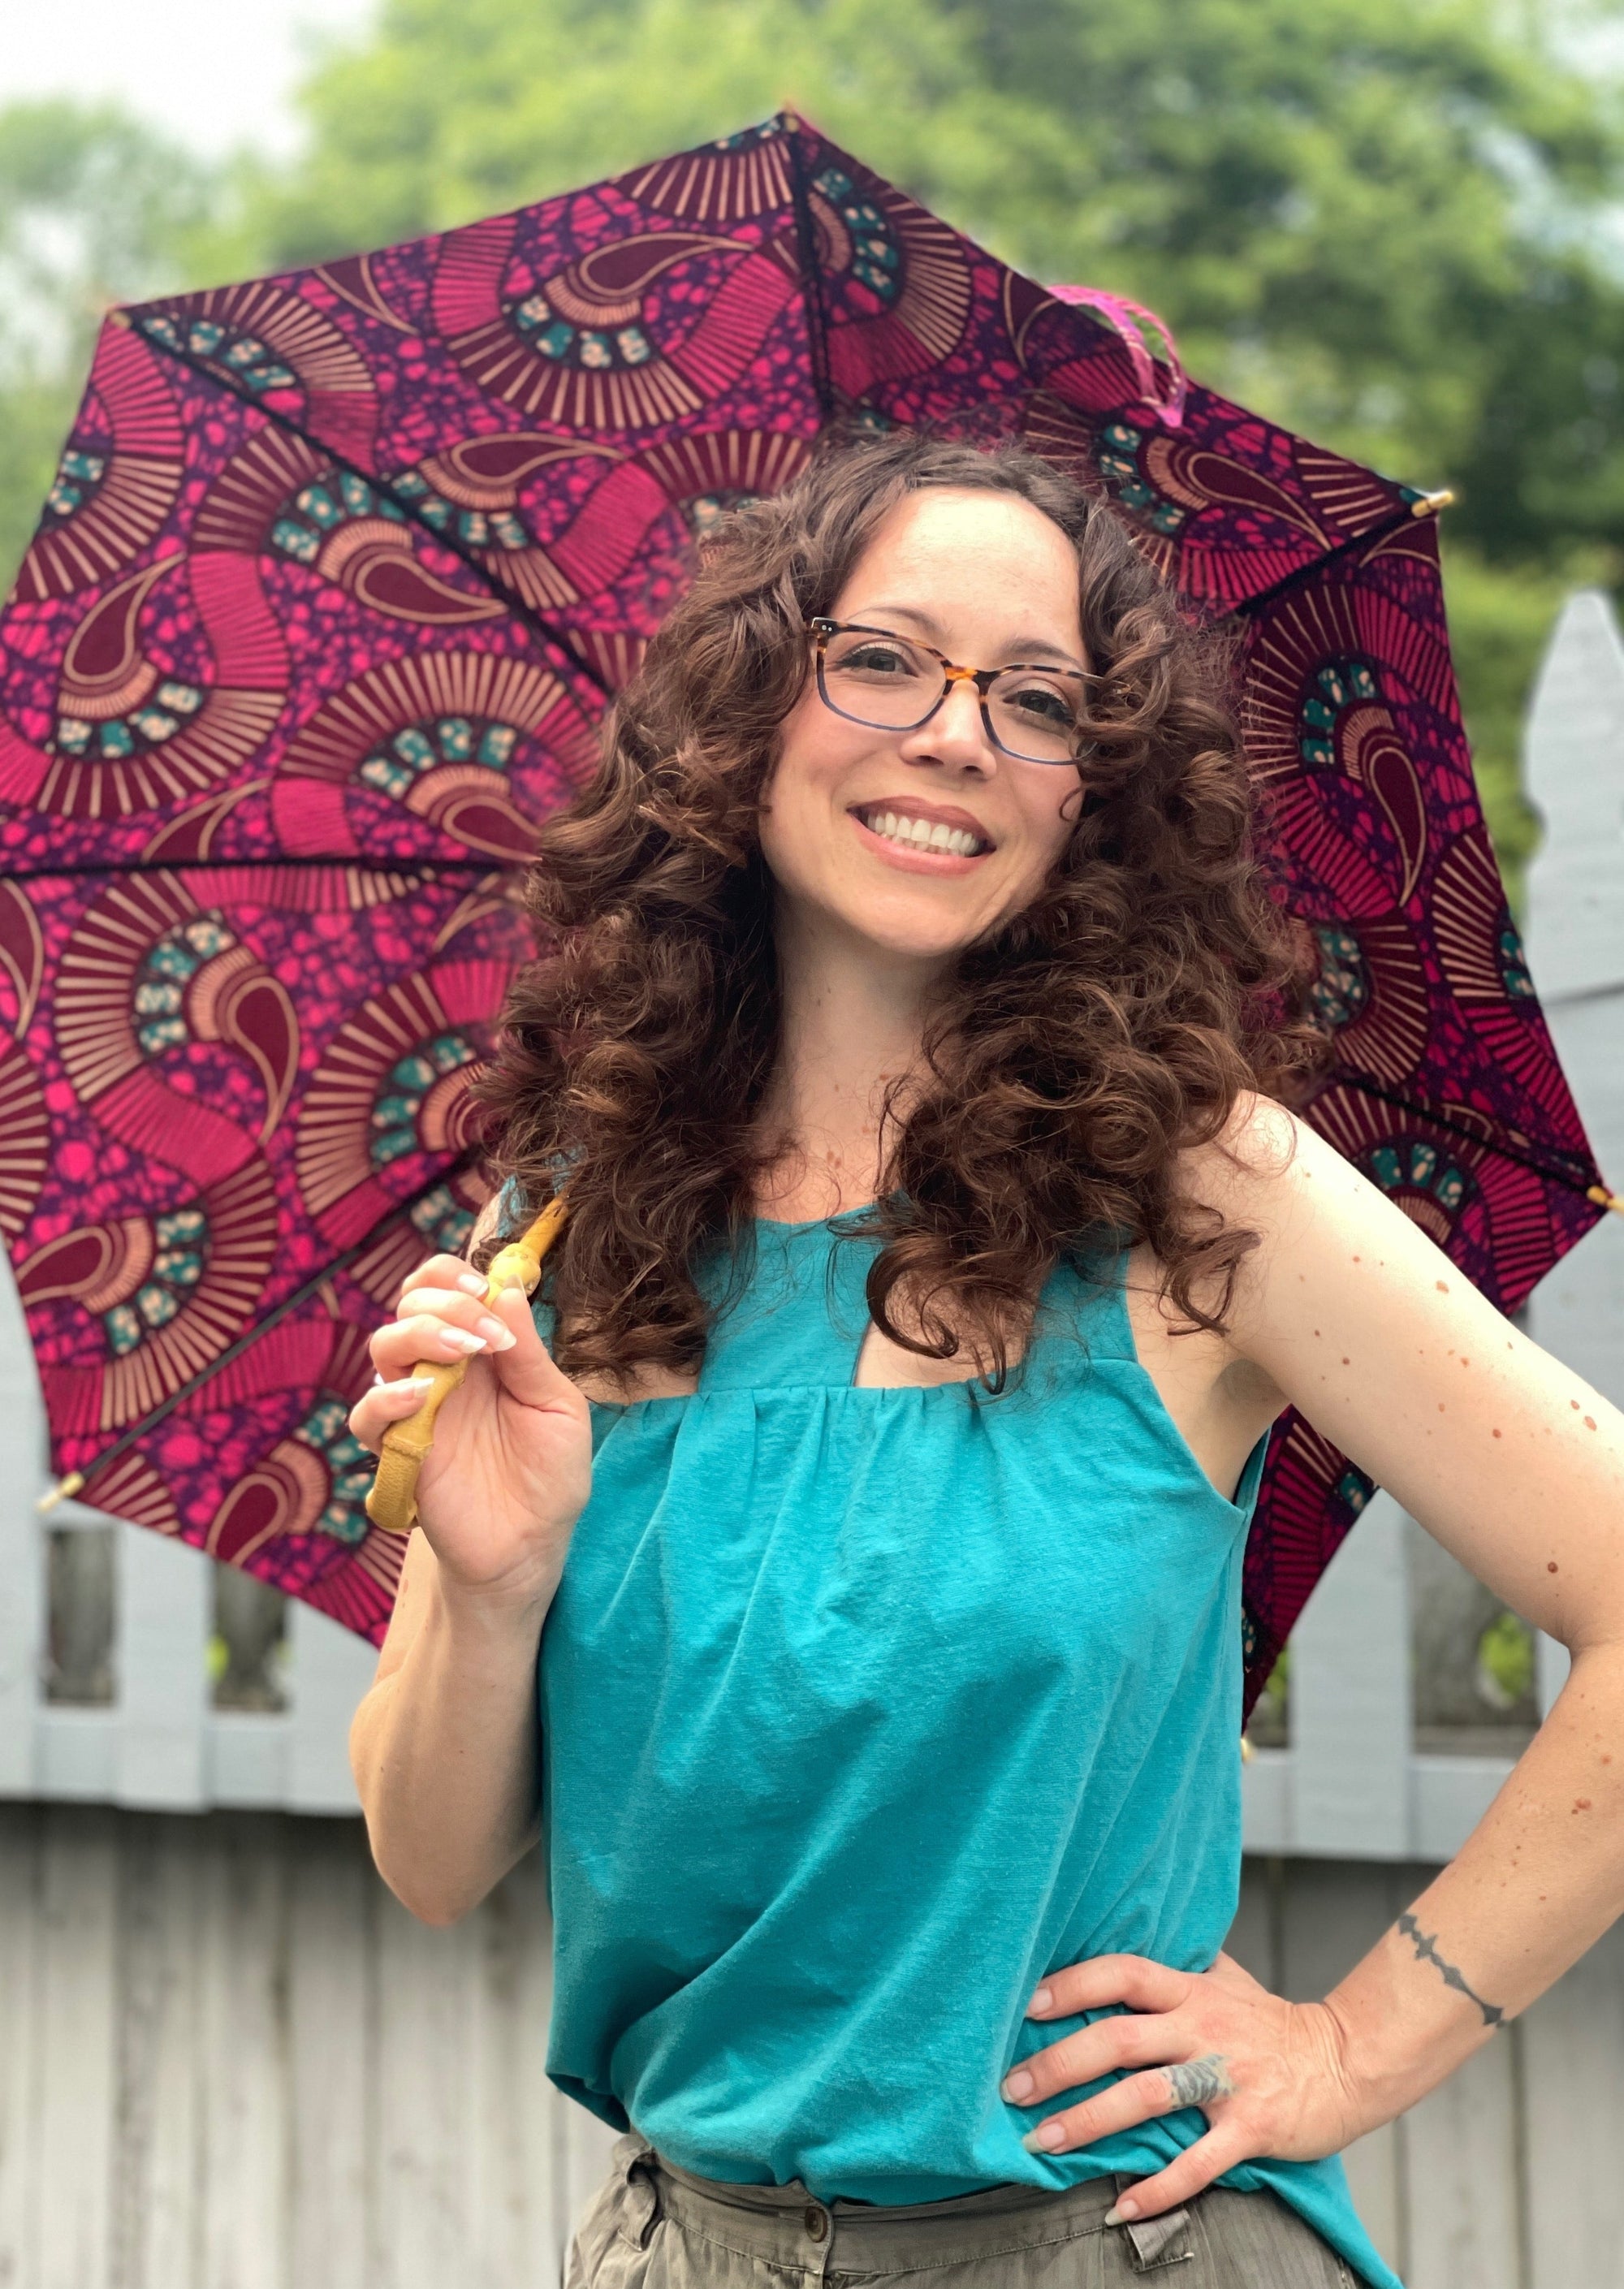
point(213, 73)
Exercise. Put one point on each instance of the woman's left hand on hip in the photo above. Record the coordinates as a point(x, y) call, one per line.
point(1268, 2075)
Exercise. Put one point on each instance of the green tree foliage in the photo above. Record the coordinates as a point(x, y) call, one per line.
point(1350, 212)
point(1374, 220)
point(93, 210)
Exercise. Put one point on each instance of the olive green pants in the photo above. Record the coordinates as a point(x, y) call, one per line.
point(652, 2226)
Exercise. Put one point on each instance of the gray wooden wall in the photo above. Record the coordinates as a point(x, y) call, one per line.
point(229, 2059)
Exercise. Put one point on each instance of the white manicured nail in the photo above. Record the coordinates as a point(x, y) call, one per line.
point(473, 1283)
point(460, 1340)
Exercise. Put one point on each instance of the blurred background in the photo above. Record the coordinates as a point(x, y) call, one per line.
point(1397, 224)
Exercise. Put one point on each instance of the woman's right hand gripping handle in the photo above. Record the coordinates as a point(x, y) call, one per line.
point(445, 1745)
point(511, 1466)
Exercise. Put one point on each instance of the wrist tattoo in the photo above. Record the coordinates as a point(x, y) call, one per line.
point(1198, 2081)
point(1426, 1946)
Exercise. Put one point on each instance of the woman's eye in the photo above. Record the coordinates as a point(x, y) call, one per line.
point(877, 659)
point(1045, 704)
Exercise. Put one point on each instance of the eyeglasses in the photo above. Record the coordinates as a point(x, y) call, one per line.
point(894, 683)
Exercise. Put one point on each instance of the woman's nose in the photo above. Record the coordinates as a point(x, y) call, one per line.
point(955, 734)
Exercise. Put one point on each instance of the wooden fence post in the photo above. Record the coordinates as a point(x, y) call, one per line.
point(22, 1548)
point(163, 1676)
point(331, 1668)
point(1350, 1698)
point(1574, 773)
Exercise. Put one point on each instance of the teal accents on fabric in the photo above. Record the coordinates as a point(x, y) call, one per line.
point(862, 1710)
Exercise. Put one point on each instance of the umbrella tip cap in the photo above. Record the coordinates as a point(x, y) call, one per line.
point(1430, 504)
point(64, 1490)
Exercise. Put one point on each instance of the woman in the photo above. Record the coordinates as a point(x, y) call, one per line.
point(911, 1040)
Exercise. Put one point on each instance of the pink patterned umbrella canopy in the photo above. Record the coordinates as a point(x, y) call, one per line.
point(338, 572)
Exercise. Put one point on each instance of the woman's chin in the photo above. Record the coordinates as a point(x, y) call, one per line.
point(897, 935)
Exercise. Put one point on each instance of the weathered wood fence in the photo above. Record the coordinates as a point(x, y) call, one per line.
point(229, 2059)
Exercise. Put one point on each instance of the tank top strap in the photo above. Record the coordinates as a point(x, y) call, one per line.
point(793, 1314)
point(1083, 1309)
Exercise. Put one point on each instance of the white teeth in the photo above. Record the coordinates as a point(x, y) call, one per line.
point(923, 834)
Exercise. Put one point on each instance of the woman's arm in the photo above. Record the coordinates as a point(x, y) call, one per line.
point(1517, 1467)
point(444, 1746)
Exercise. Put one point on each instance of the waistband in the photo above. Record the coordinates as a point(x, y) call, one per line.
point(789, 2228)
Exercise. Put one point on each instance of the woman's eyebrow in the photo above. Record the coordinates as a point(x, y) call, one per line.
point(1019, 647)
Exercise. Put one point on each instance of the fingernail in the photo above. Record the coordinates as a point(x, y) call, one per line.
point(473, 1283)
point(460, 1340)
point(1018, 2085)
point(416, 1385)
point(1043, 2000)
point(1047, 2138)
point(1124, 2214)
point(499, 1337)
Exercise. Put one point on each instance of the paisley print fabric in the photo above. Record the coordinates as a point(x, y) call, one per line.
point(336, 576)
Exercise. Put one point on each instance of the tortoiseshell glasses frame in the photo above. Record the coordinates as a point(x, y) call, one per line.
point(1044, 716)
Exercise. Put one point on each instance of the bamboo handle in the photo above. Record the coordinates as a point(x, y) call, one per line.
point(392, 1505)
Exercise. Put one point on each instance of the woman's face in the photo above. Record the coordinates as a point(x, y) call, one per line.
point(988, 580)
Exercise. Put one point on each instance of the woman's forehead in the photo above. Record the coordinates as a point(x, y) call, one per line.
point(953, 558)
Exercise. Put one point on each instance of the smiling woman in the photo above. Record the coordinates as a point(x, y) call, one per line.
point(1098, 968)
point(909, 1034)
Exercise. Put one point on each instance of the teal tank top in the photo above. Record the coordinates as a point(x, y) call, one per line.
point(864, 1710)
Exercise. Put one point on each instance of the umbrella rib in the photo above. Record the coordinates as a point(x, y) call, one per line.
point(517, 605)
point(77, 1480)
point(811, 279)
point(1311, 572)
point(427, 870)
point(1422, 1112)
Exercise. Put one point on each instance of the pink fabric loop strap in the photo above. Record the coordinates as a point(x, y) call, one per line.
point(1129, 318)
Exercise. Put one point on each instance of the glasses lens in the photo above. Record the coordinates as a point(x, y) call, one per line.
point(1038, 713)
point(881, 679)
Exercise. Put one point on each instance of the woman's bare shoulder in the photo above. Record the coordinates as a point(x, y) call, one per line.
point(1249, 1170)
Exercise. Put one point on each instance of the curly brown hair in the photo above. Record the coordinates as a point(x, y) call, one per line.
point(1067, 1059)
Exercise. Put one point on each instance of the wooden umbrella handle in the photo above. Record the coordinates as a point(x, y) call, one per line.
point(392, 1505)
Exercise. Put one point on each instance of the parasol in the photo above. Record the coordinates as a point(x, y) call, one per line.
point(336, 575)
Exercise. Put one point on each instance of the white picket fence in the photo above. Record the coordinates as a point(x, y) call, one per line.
point(159, 1745)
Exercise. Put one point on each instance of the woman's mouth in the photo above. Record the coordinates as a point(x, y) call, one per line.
point(918, 831)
